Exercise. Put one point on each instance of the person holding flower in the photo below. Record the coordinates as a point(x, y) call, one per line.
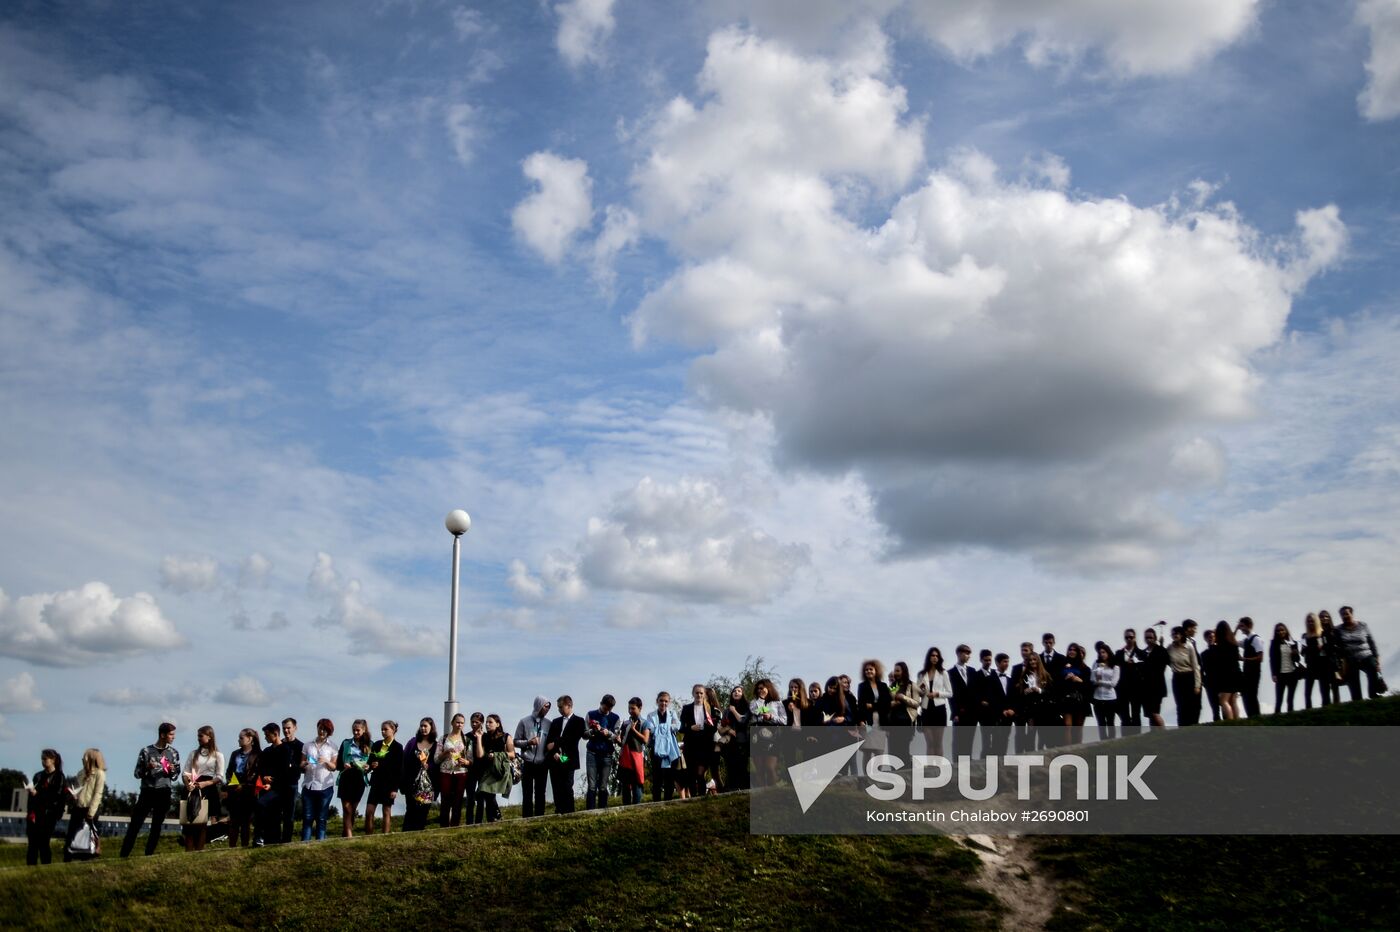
point(157, 767)
point(45, 806)
point(386, 767)
point(453, 763)
point(202, 777)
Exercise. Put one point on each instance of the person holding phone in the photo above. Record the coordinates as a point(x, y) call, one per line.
point(631, 763)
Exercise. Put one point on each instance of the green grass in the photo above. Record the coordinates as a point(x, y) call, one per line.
point(1231, 882)
point(683, 865)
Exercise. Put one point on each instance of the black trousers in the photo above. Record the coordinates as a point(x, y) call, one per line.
point(561, 780)
point(1250, 693)
point(963, 736)
point(154, 803)
point(1323, 676)
point(267, 818)
point(1188, 701)
point(40, 832)
point(533, 778)
point(1287, 682)
point(1354, 670)
point(288, 801)
point(663, 780)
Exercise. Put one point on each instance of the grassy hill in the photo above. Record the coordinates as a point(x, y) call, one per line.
point(1231, 882)
point(670, 866)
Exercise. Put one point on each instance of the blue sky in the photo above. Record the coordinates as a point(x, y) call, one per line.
point(737, 330)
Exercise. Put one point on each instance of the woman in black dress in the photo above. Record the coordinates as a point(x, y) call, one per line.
point(417, 783)
point(1225, 676)
point(1152, 679)
point(385, 771)
point(1075, 691)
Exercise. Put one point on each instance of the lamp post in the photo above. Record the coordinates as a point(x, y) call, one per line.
point(458, 523)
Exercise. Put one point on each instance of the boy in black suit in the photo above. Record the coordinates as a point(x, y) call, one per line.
point(561, 751)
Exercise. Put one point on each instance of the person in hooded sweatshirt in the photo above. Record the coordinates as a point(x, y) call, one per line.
point(530, 735)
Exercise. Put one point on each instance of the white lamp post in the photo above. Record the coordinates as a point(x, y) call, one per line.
point(458, 523)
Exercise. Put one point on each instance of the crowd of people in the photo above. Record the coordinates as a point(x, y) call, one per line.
point(704, 746)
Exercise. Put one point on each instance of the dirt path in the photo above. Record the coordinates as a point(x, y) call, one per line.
point(1009, 873)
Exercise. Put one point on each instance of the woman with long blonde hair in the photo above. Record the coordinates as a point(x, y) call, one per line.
point(87, 800)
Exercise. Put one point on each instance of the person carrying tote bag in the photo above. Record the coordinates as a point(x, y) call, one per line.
point(84, 841)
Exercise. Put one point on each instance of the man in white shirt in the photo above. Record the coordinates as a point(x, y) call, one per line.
point(1252, 648)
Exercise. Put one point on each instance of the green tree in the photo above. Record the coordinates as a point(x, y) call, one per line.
point(755, 669)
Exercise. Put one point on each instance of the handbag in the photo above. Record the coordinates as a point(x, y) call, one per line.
point(86, 841)
point(195, 809)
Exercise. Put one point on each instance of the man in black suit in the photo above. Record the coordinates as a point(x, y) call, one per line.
point(986, 715)
point(998, 705)
point(964, 717)
point(561, 751)
point(1053, 660)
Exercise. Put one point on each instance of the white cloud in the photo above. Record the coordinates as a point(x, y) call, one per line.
point(370, 631)
point(129, 696)
point(771, 119)
point(1380, 98)
point(467, 22)
point(83, 626)
point(460, 122)
point(17, 694)
point(243, 690)
point(189, 574)
point(1003, 364)
point(584, 27)
point(253, 571)
point(621, 230)
point(558, 581)
point(683, 540)
point(549, 218)
point(1139, 38)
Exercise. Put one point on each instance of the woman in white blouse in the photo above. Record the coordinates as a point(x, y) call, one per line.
point(203, 775)
point(1105, 679)
point(935, 693)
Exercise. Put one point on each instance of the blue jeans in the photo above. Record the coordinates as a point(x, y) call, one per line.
point(599, 774)
point(315, 807)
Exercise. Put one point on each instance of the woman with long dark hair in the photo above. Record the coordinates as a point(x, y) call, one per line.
point(1105, 677)
point(453, 763)
point(935, 700)
point(767, 714)
point(495, 751)
point(241, 778)
point(1076, 692)
point(45, 806)
point(904, 706)
point(1224, 670)
point(353, 761)
point(385, 767)
point(1336, 668)
point(204, 773)
point(1285, 664)
point(733, 732)
point(418, 787)
point(87, 800)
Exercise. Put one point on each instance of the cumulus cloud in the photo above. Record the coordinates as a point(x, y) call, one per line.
point(769, 119)
point(584, 27)
point(467, 22)
point(83, 626)
point(129, 696)
point(1380, 98)
point(253, 571)
point(17, 694)
point(1141, 38)
point(549, 218)
point(557, 581)
point(189, 574)
point(460, 123)
point(1004, 364)
point(242, 690)
point(683, 540)
point(370, 631)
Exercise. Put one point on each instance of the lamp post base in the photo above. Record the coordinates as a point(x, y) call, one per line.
point(449, 709)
